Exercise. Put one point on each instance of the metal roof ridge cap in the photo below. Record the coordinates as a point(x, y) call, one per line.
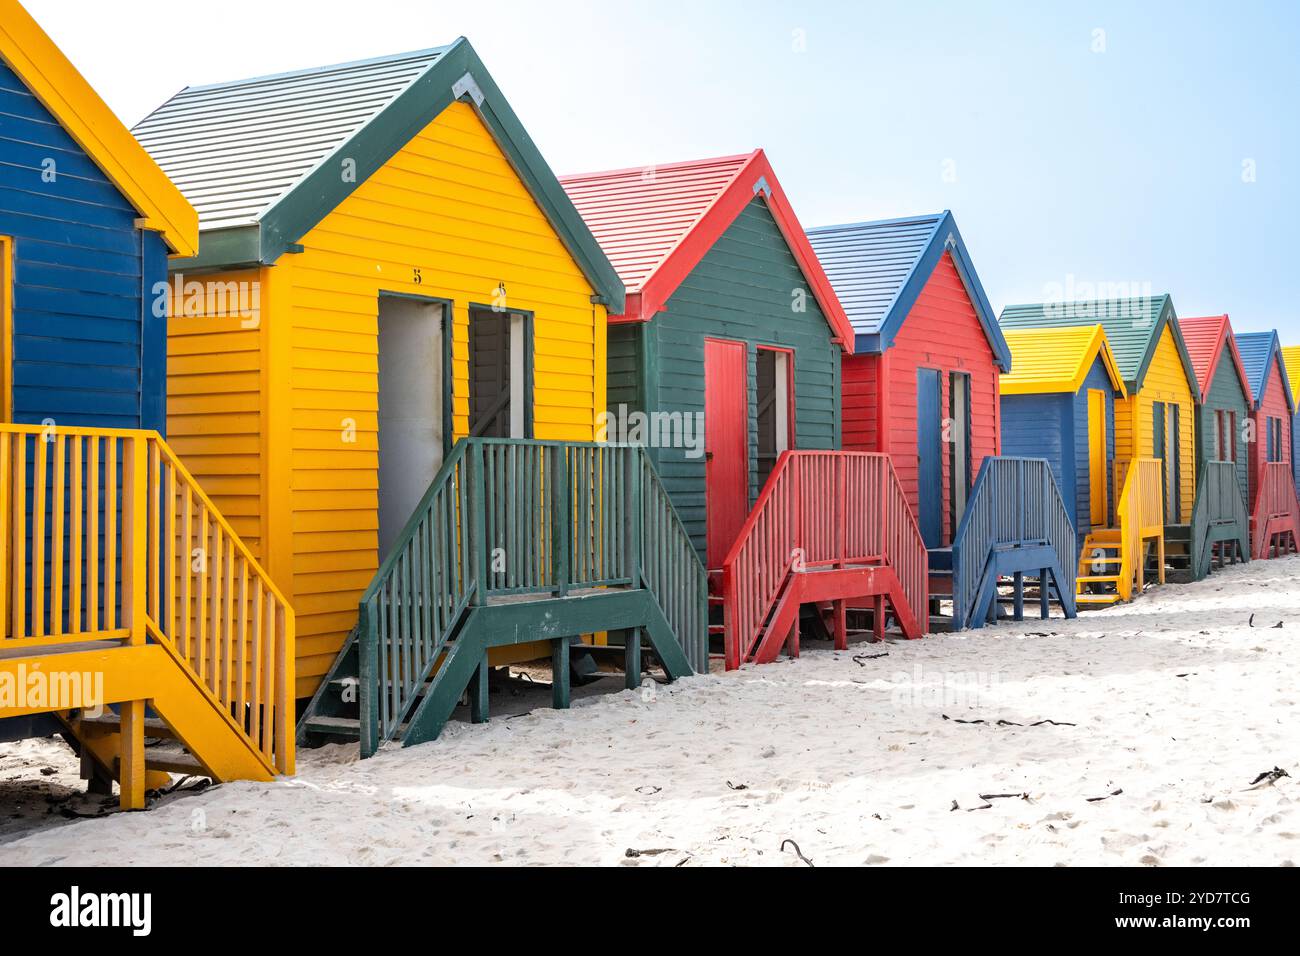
point(308, 71)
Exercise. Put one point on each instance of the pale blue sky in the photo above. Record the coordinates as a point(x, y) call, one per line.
point(1118, 166)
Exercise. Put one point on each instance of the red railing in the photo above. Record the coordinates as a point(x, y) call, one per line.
point(819, 509)
point(1276, 508)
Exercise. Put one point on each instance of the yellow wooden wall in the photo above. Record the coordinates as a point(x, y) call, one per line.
point(1165, 381)
point(214, 389)
point(450, 205)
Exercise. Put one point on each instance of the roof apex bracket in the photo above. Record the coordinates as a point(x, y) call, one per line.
point(467, 86)
point(761, 186)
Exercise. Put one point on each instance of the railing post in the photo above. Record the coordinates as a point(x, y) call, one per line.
point(135, 530)
point(633, 512)
point(561, 520)
point(368, 669)
point(477, 533)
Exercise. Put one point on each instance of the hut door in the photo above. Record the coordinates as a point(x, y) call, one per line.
point(1174, 465)
point(1158, 446)
point(726, 445)
point(412, 422)
point(929, 455)
point(1099, 507)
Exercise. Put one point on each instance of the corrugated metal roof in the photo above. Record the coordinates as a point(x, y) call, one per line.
point(869, 263)
point(1205, 338)
point(640, 215)
point(234, 148)
point(1291, 359)
point(1055, 360)
point(1131, 325)
point(1256, 350)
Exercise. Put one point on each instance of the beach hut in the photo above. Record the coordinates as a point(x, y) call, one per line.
point(1221, 519)
point(1155, 428)
point(732, 324)
point(1291, 358)
point(1274, 514)
point(922, 387)
point(99, 582)
point(401, 413)
point(1058, 403)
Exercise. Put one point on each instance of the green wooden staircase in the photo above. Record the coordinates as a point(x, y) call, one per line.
point(514, 542)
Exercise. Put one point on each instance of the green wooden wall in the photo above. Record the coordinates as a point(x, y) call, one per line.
point(1226, 392)
point(747, 288)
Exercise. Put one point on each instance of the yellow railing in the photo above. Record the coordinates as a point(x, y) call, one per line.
point(1140, 514)
point(104, 535)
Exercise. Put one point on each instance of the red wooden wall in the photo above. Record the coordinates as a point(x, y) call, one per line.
point(942, 331)
point(1274, 406)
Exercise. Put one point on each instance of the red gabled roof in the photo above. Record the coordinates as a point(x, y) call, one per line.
point(1205, 338)
point(656, 223)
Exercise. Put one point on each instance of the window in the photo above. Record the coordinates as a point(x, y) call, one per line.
point(500, 374)
point(1274, 439)
point(775, 412)
point(1225, 435)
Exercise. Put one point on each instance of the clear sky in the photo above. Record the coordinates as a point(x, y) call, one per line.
point(1155, 144)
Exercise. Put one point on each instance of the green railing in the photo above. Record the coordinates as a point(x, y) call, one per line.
point(519, 517)
point(1219, 514)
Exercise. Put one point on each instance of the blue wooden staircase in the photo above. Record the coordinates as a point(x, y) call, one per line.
point(514, 542)
point(1015, 529)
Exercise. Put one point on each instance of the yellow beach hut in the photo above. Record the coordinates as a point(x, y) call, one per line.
point(387, 265)
point(1154, 481)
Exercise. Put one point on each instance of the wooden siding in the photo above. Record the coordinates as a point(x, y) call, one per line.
point(743, 289)
point(1166, 381)
point(942, 332)
point(1097, 380)
point(1226, 392)
point(87, 347)
point(1273, 404)
point(214, 396)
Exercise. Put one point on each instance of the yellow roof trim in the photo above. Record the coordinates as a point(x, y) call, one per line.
point(1291, 359)
point(1047, 360)
point(62, 90)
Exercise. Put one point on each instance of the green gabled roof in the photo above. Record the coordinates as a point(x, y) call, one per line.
point(1133, 328)
point(261, 158)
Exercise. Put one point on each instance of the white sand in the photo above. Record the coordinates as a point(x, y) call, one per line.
point(1176, 702)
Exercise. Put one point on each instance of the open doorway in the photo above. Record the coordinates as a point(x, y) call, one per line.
point(500, 374)
point(775, 387)
point(414, 413)
point(959, 446)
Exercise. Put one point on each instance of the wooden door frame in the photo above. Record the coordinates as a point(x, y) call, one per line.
point(448, 371)
point(968, 427)
point(529, 318)
point(8, 283)
point(744, 430)
point(1105, 464)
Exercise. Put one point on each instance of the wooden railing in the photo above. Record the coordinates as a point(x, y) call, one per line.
point(106, 535)
point(1218, 503)
point(1015, 503)
point(1275, 508)
point(1140, 512)
point(819, 509)
point(508, 517)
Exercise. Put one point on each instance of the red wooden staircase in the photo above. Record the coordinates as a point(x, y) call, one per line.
point(1275, 518)
point(829, 526)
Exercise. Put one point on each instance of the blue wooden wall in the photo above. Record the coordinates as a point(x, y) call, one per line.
point(1055, 427)
point(87, 348)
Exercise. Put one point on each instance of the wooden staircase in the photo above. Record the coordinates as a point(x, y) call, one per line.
point(515, 542)
point(1275, 516)
point(140, 610)
point(829, 528)
point(1015, 529)
point(1113, 562)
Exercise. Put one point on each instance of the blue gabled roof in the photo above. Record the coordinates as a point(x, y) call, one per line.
point(878, 270)
point(1258, 351)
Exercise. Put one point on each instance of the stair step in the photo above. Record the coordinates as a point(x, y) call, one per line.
point(1091, 559)
point(1096, 598)
point(174, 762)
point(1098, 579)
point(111, 723)
point(338, 726)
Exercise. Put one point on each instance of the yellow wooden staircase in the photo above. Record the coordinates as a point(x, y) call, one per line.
point(1112, 561)
point(133, 610)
